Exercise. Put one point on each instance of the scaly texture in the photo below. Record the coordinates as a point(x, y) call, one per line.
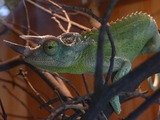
point(75, 53)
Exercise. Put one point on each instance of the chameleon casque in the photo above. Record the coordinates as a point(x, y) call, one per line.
point(75, 53)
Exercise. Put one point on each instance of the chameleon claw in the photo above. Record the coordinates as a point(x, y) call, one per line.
point(115, 102)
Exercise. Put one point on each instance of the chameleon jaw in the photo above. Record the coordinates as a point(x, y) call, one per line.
point(24, 50)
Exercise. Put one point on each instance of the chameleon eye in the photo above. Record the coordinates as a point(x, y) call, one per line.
point(50, 47)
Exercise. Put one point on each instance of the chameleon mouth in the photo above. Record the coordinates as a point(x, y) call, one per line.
point(42, 62)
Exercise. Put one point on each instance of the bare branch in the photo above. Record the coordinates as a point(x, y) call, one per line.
point(66, 15)
point(20, 101)
point(27, 17)
point(83, 11)
point(64, 107)
point(11, 27)
point(59, 24)
point(48, 78)
point(20, 87)
point(137, 76)
point(67, 81)
point(144, 106)
point(4, 115)
point(39, 97)
point(85, 83)
point(11, 63)
point(58, 16)
point(99, 81)
point(59, 84)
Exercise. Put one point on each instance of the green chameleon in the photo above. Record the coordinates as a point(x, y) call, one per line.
point(75, 53)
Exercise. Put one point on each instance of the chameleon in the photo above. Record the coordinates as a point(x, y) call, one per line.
point(75, 53)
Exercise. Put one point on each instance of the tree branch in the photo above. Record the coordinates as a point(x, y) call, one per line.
point(137, 76)
point(144, 106)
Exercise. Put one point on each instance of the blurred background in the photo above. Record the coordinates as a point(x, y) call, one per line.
point(14, 21)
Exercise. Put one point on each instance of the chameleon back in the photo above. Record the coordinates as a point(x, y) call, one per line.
point(130, 35)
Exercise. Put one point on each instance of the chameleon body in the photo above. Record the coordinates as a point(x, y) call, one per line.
point(75, 53)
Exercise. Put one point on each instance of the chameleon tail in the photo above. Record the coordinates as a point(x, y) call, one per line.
point(154, 85)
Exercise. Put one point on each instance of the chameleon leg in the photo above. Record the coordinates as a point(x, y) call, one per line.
point(124, 69)
point(154, 85)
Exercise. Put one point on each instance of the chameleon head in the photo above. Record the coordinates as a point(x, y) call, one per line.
point(61, 51)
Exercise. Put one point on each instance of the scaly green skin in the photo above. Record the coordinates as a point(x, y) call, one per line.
point(75, 53)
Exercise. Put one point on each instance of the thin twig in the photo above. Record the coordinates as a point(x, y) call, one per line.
point(10, 26)
point(27, 17)
point(48, 79)
point(20, 101)
point(66, 15)
point(64, 107)
point(21, 116)
point(89, 12)
point(132, 95)
point(85, 83)
point(20, 87)
point(137, 76)
point(68, 82)
point(59, 24)
point(102, 116)
point(144, 106)
point(83, 10)
point(109, 73)
point(58, 16)
point(4, 115)
point(59, 95)
point(99, 81)
point(39, 97)
point(72, 100)
point(53, 101)
point(51, 82)
point(58, 85)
